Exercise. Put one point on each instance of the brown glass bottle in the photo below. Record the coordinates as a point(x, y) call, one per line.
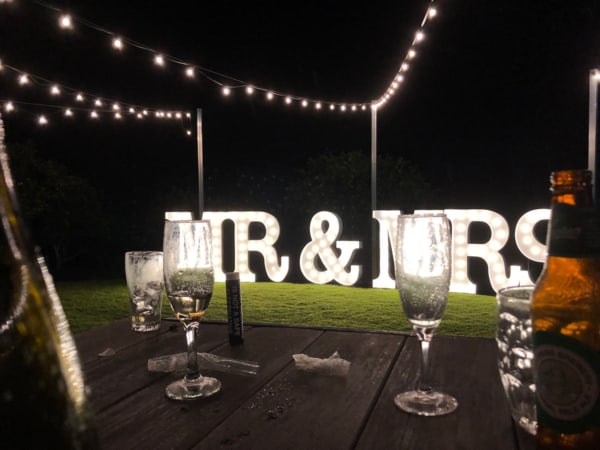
point(565, 310)
point(43, 399)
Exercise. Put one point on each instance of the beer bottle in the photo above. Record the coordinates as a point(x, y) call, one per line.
point(43, 400)
point(565, 312)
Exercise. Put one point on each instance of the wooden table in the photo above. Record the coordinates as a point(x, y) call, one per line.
point(285, 408)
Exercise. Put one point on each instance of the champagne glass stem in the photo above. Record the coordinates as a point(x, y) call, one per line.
point(424, 335)
point(192, 356)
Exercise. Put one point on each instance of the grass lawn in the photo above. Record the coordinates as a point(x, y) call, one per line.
point(91, 304)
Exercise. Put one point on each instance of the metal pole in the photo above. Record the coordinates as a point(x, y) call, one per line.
point(373, 157)
point(374, 247)
point(592, 160)
point(200, 162)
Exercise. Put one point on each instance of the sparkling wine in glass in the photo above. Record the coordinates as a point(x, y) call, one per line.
point(422, 260)
point(189, 281)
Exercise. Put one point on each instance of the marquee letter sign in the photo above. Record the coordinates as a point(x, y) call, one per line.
point(325, 258)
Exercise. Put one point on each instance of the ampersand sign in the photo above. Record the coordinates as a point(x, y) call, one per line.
point(321, 247)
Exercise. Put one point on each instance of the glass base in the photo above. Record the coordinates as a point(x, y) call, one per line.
point(426, 403)
point(190, 389)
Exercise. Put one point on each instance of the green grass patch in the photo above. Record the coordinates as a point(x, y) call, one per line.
point(91, 304)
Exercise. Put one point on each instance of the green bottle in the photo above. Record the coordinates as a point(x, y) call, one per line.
point(43, 398)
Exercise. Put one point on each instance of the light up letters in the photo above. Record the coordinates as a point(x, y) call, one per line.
point(324, 258)
point(320, 247)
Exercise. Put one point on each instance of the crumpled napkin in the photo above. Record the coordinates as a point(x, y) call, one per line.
point(335, 365)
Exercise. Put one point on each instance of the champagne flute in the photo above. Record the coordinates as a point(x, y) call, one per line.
point(422, 261)
point(189, 280)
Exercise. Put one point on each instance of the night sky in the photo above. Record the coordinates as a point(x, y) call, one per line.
point(496, 99)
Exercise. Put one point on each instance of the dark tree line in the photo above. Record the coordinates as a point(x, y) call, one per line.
point(83, 230)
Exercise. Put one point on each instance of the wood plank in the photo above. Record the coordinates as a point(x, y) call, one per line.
point(298, 410)
point(147, 419)
point(463, 367)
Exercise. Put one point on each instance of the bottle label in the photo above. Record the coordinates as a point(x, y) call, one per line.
point(567, 379)
point(234, 312)
point(574, 232)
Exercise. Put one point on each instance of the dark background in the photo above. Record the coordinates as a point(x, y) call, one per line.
point(496, 99)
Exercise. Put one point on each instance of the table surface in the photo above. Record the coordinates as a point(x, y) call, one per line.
point(285, 408)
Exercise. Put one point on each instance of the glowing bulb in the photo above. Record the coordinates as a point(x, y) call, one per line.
point(269, 95)
point(94, 115)
point(79, 97)
point(68, 112)
point(9, 107)
point(432, 12)
point(178, 115)
point(131, 110)
point(189, 72)
point(98, 102)
point(249, 90)
point(159, 60)
point(411, 54)
point(116, 107)
point(404, 67)
point(596, 74)
point(353, 107)
point(304, 103)
point(419, 36)
point(332, 107)
point(363, 107)
point(55, 90)
point(318, 105)
point(139, 115)
point(23, 79)
point(42, 120)
point(65, 22)
point(288, 100)
point(188, 132)
point(400, 78)
point(226, 91)
point(117, 43)
point(118, 115)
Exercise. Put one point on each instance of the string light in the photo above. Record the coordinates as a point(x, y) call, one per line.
point(65, 22)
point(54, 90)
point(117, 43)
point(161, 60)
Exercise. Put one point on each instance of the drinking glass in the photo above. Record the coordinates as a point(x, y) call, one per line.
point(515, 353)
point(189, 280)
point(422, 261)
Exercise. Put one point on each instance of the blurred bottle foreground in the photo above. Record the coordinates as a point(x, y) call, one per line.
point(43, 397)
point(565, 310)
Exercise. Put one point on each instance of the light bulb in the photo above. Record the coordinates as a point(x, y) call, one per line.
point(68, 112)
point(159, 60)
point(79, 97)
point(65, 22)
point(189, 72)
point(249, 90)
point(23, 79)
point(42, 120)
point(55, 90)
point(117, 43)
point(269, 95)
point(226, 91)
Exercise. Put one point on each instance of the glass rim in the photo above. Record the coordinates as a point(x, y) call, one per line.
point(508, 291)
point(188, 221)
point(410, 216)
point(143, 252)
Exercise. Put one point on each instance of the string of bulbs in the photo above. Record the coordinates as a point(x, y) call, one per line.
point(225, 82)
